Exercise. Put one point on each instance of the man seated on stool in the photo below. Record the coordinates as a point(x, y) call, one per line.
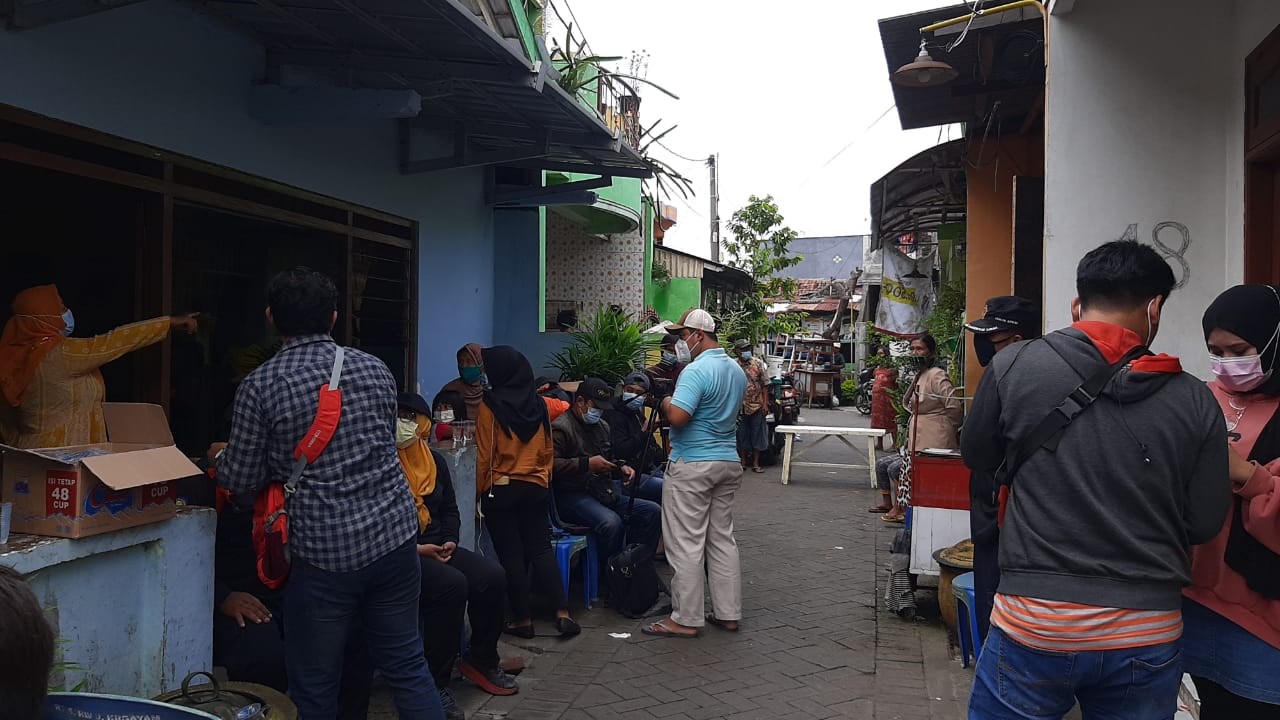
point(588, 485)
point(632, 440)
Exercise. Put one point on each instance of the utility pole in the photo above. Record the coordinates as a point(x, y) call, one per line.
point(713, 162)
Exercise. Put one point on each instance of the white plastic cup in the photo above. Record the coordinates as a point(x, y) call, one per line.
point(6, 517)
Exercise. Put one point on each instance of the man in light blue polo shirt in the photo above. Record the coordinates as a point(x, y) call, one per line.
point(704, 474)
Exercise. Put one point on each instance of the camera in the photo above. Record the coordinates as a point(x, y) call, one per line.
point(661, 387)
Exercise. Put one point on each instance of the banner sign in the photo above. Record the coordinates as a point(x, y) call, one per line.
point(906, 293)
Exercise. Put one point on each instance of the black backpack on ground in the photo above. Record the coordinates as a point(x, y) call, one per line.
point(631, 581)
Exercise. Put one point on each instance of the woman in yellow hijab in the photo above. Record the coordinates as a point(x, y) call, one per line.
point(52, 388)
point(454, 579)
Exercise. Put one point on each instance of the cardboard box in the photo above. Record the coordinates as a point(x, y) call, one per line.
point(84, 490)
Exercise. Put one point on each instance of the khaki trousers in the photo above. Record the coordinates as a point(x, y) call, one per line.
point(697, 526)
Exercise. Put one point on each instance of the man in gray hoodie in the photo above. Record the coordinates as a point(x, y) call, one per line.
point(1095, 531)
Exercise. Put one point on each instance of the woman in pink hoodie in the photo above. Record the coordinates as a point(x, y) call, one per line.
point(1231, 641)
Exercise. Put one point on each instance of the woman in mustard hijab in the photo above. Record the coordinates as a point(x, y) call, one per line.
point(51, 386)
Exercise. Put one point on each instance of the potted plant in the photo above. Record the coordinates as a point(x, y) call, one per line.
point(607, 345)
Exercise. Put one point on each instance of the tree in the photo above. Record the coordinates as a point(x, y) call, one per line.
point(759, 248)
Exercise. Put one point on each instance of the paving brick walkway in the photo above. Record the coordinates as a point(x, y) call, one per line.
point(815, 642)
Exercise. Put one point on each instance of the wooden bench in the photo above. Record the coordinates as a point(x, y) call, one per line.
point(822, 433)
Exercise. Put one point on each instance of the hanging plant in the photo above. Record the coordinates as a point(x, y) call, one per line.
point(659, 274)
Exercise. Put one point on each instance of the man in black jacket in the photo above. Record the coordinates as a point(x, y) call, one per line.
point(1006, 320)
point(1094, 543)
point(588, 484)
point(631, 438)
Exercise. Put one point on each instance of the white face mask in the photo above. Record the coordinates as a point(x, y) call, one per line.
point(406, 432)
point(684, 353)
point(444, 416)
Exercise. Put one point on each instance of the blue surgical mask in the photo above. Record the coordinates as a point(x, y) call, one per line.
point(592, 416)
point(633, 401)
point(668, 357)
point(745, 354)
point(471, 375)
point(70, 321)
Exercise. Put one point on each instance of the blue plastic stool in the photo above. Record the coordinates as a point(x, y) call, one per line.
point(966, 617)
point(566, 547)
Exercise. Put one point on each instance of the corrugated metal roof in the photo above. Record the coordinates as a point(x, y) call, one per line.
point(466, 73)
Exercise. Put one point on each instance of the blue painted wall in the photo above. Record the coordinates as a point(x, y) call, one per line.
point(162, 73)
point(517, 303)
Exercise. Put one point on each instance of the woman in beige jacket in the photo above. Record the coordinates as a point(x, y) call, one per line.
point(935, 418)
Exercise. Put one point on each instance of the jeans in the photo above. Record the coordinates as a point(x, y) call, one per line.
point(516, 517)
point(888, 468)
point(323, 607)
point(1017, 681)
point(469, 583)
point(643, 525)
point(647, 487)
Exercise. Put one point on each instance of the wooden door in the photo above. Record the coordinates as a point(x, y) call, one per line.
point(1262, 162)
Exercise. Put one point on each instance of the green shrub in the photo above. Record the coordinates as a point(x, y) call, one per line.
point(607, 346)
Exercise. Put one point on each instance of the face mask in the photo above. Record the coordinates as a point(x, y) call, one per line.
point(406, 432)
point(1239, 374)
point(444, 416)
point(592, 415)
point(634, 401)
point(70, 321)
point(471, 375)
point(745, 355)
point(668, 357)
point(984, 349)
point(684, 353)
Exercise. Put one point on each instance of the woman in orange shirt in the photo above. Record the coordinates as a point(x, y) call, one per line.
point(514, 455)
point(52, 386)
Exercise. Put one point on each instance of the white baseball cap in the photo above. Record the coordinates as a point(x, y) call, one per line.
point(694, 319)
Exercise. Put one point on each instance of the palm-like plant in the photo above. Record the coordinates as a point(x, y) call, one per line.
point(608, 345)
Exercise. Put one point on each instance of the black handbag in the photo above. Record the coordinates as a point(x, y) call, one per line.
point(633, 583)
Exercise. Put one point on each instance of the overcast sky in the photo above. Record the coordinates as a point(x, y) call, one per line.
point(777, 89)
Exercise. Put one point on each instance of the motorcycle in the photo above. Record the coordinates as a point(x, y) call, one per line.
point(862, 395)
point(784, 409)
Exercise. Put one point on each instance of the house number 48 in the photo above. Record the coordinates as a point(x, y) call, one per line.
point(1169, 228)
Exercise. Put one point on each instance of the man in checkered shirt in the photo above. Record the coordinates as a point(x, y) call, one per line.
point(352, 522)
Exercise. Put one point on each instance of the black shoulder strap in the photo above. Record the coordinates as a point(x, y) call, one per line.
point(1047, 434)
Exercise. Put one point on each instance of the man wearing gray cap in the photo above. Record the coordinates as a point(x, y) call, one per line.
point(701, 479)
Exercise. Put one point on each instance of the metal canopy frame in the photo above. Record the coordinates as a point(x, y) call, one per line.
point(466, 73)
point(926, 190)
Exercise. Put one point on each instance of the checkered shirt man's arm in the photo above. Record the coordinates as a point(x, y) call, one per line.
point(242, 469)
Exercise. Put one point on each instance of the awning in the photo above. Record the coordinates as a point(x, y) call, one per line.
point(1000, 61)
point(501, 106)
point(923, 192)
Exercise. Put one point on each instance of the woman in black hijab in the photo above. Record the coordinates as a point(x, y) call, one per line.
point(1231, 611)
point(514, 455)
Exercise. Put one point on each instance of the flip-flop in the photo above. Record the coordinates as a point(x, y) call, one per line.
point(657, 629)
point(757, 469)
point(723, 624)
point(893, 518)
point(878, 509)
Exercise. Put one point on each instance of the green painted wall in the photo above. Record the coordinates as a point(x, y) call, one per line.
point(679, 295)
point(647, 223)
point(617, 209)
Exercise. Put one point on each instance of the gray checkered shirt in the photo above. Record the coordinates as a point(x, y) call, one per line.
point(353, 504)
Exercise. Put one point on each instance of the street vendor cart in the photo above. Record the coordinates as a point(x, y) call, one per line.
point(811, 364)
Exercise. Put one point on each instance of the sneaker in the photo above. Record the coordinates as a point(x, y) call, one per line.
point(451, 709)
point(493, 681)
